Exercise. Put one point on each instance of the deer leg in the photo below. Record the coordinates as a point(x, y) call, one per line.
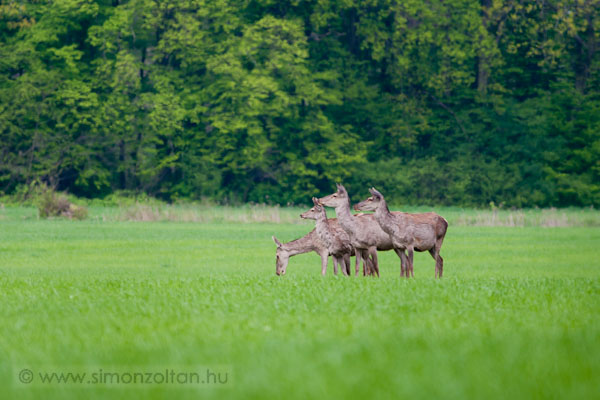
point(435, 254)
point(342, 263)
point(366, 262)
point(439, 263)
point(335, 264)
point(370, 267)
point(346, 270)
point(373, 253)
point(403, 261)
point(357, 266)
point(440, 260)
point(324, 257)
point(410, 271)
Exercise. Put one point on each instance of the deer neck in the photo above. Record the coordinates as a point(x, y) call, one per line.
point(322, 227)
point(305, 244)
point(383, 214)
point(345, 218)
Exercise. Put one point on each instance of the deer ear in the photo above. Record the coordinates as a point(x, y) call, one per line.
point(375, 193)
point(316, 201)
point(277, 242)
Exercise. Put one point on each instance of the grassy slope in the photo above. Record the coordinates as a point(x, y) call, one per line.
point(516, 315)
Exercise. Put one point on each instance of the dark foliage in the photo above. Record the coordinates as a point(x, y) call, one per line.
point(440, 102)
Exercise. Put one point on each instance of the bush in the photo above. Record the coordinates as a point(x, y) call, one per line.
point(52, 204)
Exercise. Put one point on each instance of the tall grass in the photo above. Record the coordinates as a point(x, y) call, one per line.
point(551, 217)
point(147, 211)
point(200, 213)
point(290, 215)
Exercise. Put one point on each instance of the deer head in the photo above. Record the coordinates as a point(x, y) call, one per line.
point(282, 258)
point(315, 212)
point(372, 203)
point(337, 199)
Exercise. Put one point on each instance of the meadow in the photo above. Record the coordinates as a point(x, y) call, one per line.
point(515, 316)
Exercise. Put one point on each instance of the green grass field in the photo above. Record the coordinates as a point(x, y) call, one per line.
point(515, 316)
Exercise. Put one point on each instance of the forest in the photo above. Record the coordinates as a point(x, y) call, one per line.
point(437, 102)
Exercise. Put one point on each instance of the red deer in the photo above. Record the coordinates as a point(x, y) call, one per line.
point(332, 236)
point(365, 234)
point(306, 244)
point(408, 232)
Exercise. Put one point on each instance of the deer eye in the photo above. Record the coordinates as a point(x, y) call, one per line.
point(335, 195)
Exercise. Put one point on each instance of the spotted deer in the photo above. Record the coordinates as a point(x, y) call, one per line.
point(306, 244)
point(332, 236)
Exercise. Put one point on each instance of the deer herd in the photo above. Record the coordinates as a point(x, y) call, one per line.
point(362, 235)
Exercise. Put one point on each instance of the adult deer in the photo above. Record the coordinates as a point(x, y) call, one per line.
point(332, 236)
point(408, 232)
point(365, 234)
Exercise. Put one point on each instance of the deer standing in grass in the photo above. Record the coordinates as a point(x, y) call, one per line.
point(306, 244)
point(332, 236)
point(408, 232)
point(365, 234)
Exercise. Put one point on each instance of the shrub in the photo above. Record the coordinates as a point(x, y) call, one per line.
point(52, 204)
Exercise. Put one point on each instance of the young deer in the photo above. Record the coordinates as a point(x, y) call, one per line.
point(409, 232)
point(365, 234)
point(306, 244)
point(332, 236)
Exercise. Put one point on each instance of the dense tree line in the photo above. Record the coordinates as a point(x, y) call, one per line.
point(438, 102)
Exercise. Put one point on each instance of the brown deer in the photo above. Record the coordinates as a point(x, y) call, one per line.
point(408, 232)
point(306, 244)
point(365, 234)
point(332, 236)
